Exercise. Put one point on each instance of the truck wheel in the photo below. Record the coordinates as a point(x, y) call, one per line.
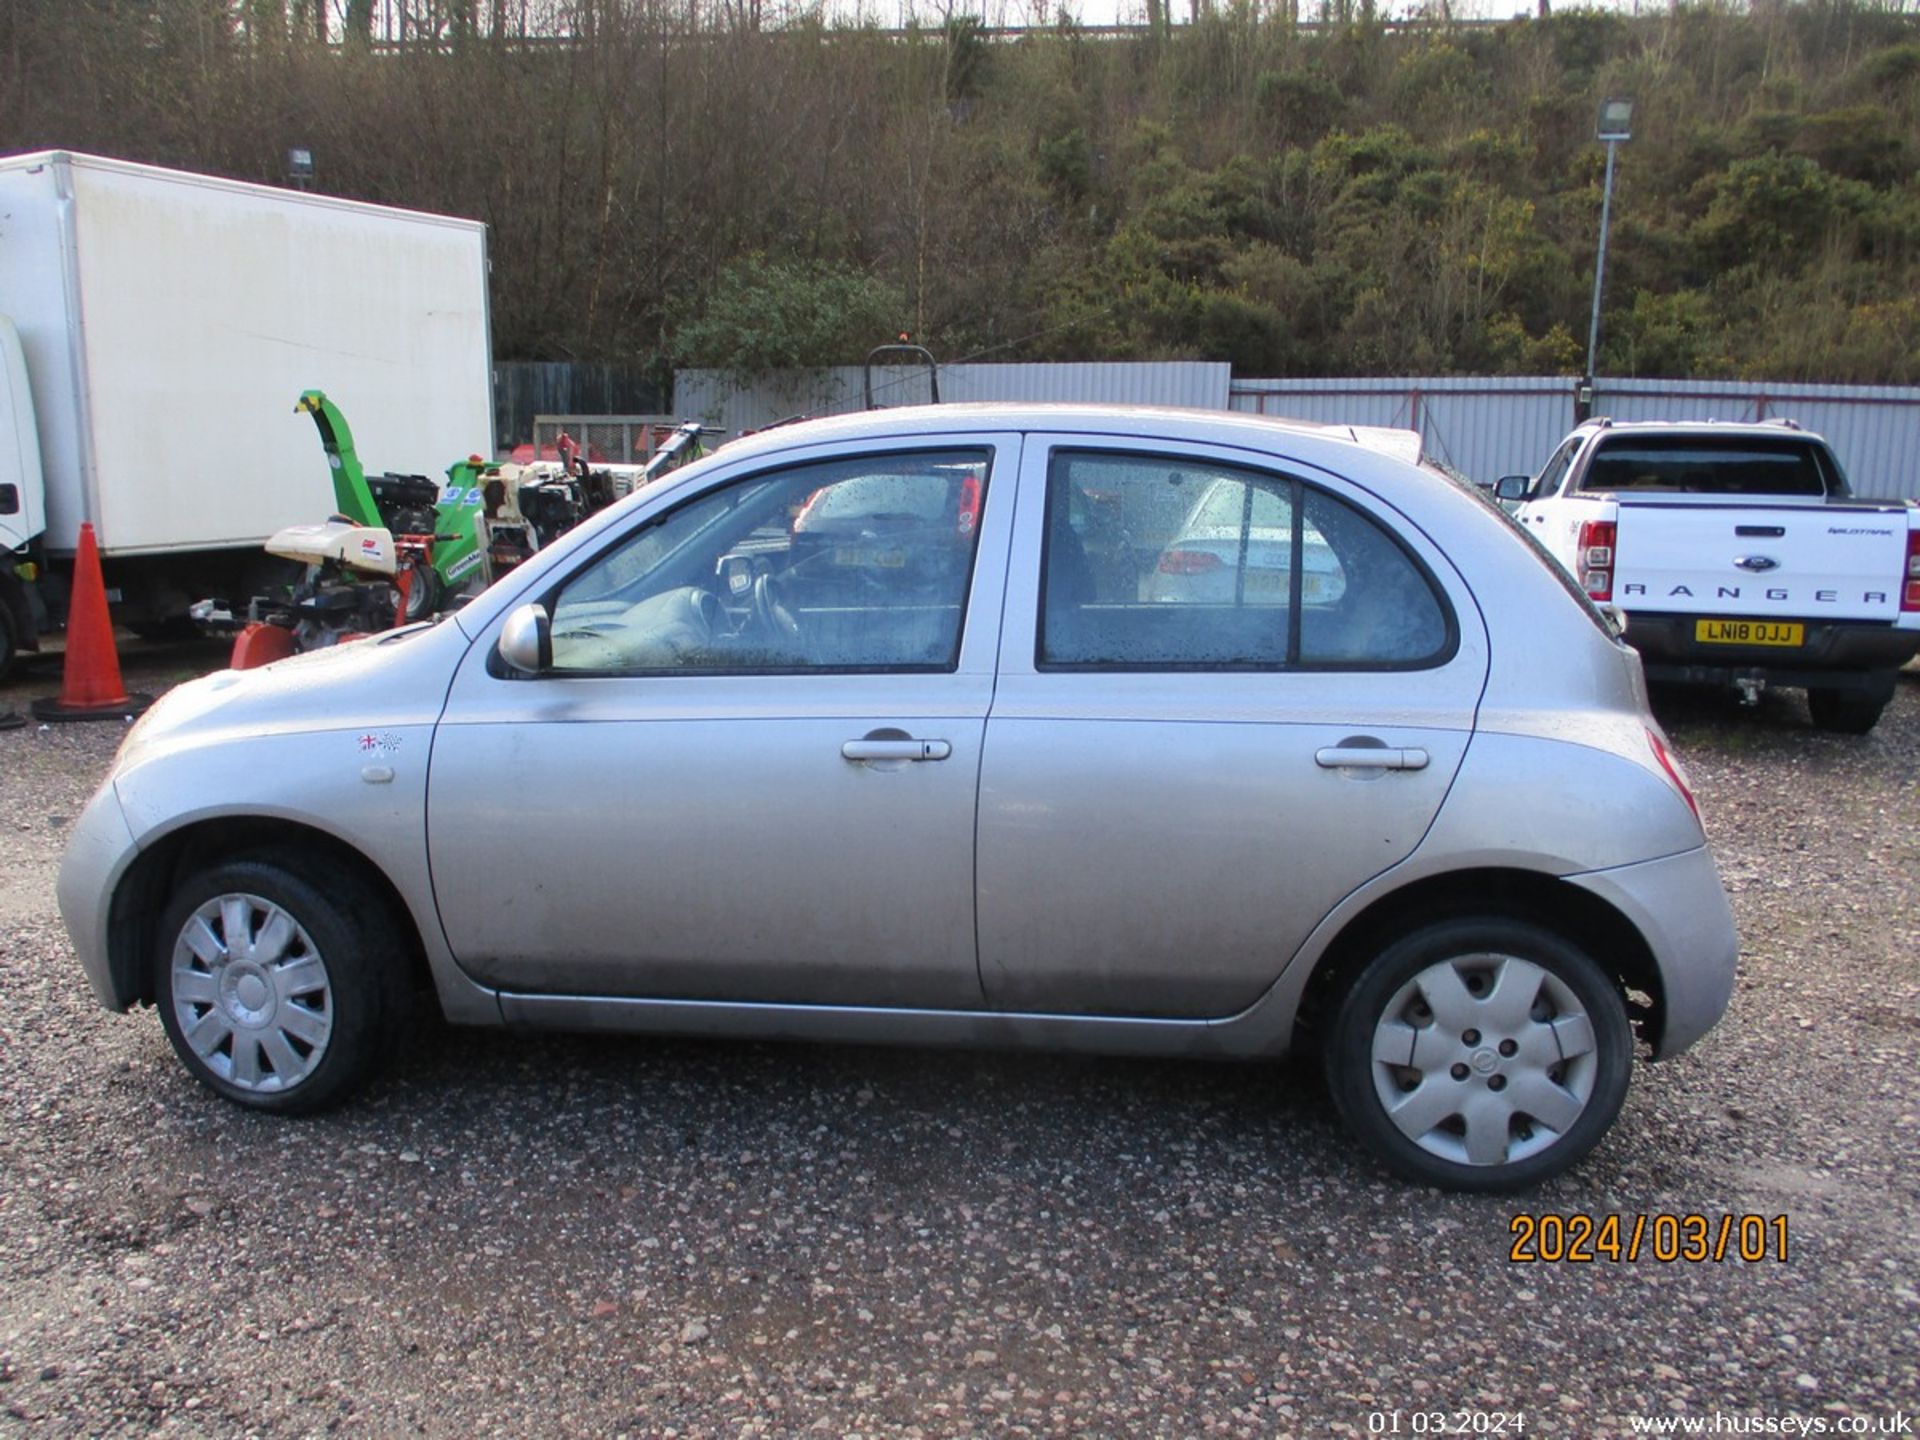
point(1849, 712)
point(424, 592)
point(9, 642)
point(278, 981)
point(1482, 1054)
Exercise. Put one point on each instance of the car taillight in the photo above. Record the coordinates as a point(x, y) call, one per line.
point(1188, 562)
point(1675, 771)
point(1596, 558)
point(1910, 590)
point(969, 506)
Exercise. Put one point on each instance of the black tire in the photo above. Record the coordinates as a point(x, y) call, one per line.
point(424, 592)
point(1570, 1059)
point(9, 642)
point(1847, 712)
point(301, 1027)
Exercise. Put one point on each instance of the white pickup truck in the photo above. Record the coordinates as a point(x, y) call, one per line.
point(1739, 557)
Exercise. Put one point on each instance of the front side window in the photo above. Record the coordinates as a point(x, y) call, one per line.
point(1548, 484)
point(1161, 563)
point(857, 564)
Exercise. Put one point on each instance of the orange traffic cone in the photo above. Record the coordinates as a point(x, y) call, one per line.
point(90, 686)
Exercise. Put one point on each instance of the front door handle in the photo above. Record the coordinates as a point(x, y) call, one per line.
point(1359, 757)
point(895, 750)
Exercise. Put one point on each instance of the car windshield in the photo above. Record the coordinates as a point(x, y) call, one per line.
point(925, 496)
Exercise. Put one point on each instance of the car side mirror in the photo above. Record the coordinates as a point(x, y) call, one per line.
point(1512, 487)
point(526, 640)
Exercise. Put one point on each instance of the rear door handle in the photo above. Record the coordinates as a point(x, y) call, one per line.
point(1359, 757)
point(895, 750)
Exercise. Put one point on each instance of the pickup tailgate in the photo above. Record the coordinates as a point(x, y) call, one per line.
point(1816, 559)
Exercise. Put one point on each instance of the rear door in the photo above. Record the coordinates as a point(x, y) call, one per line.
point(1188, 764)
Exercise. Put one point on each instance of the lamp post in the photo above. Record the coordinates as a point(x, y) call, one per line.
point(1614, 129)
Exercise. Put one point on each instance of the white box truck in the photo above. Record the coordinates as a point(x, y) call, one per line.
point(156, 330)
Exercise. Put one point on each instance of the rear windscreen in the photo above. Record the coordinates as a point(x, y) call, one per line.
point(1711, 465)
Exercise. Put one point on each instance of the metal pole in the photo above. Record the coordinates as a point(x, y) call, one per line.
point(1600, 263)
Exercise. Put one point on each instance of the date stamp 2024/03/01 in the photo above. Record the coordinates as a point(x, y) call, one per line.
point(1693, 1239)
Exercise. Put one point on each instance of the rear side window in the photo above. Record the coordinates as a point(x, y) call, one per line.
point(1711, 465)
point(1168, 563)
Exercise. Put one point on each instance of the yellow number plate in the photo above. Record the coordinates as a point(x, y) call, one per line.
point(1749, 632)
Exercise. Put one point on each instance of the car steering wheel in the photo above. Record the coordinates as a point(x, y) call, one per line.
point(775, 618)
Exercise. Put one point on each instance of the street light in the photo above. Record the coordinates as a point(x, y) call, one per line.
point(1614, 129)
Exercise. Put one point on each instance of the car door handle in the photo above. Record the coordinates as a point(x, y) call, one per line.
point(895, 750)
point(1367, 757)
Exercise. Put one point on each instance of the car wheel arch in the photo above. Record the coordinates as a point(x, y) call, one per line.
point(143, 891)
point(1576, 915)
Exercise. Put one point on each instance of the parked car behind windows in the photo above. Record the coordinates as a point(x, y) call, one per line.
point(1218, 588)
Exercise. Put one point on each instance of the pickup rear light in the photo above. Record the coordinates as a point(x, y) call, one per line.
point(1676, 772)
point(1188, 562)
point(1910, 590)
point(1595, 549)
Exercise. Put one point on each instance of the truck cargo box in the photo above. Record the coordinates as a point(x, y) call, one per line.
point(170, 321)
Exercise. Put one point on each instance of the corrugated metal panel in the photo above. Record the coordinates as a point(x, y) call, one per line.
point(1201, 384)
point(1482, 427)
point(523, 389)
point(1875, 430)
point(708, 395)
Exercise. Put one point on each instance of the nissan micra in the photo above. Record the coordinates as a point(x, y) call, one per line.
point(962, 767)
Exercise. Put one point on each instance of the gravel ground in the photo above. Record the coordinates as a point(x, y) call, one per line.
point(560, 1236)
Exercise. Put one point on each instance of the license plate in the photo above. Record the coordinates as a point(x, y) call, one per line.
point(1749, 632)
point(866, 558)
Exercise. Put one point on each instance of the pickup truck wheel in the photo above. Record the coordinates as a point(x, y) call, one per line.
point(1480, 1054)
point(277, 989)
point(1850, 712)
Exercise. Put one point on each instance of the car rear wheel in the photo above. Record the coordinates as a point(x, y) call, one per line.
point(1850, 712)
point(278, 988)
point(1480, 1054)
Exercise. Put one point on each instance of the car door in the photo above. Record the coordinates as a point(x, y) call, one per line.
point(750, 771)
point(1544, 513)
point(1203, 738)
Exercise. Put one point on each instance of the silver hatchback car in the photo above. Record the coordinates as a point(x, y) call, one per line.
point(956, 775)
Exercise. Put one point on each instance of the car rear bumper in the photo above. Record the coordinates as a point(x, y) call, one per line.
point(1681, 911)
point(1835, 655)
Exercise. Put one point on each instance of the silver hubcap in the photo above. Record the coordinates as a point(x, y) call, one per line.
point(1484, 1059)
point(251, 994)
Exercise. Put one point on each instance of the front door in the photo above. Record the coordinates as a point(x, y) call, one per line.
point(750, 772)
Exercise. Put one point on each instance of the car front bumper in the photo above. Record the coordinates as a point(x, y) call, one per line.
point(99, 851)
point(1680, 909)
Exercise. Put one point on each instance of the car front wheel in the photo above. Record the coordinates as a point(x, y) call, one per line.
point(278, 982)
point(1483, 1055)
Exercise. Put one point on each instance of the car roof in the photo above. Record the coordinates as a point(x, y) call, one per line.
point(1728, 429)
point(1226, 427)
